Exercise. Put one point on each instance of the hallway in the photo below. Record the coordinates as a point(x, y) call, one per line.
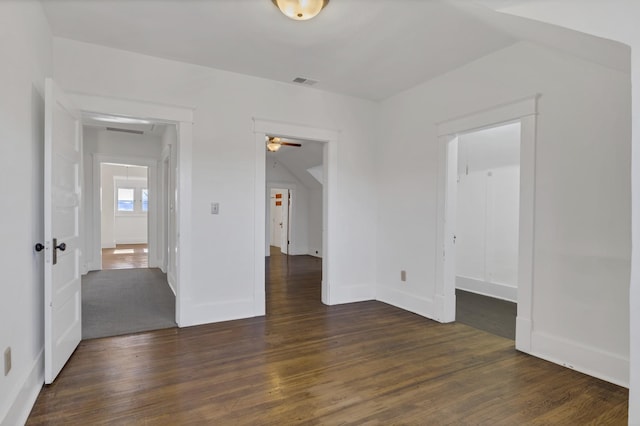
point(308, 363)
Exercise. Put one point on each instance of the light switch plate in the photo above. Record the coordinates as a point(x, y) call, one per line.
point(215, 208)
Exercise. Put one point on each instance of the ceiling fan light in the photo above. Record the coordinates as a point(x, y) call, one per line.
point(273, 147)
point(300, 10)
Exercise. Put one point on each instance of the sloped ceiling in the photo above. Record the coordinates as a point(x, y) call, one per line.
point(366, 48)
point(298, 159)
point(371, 49)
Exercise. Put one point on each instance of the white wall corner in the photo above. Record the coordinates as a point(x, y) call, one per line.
point(259, 304)
point(445, 308)
point(523, 334)
point(206, 313)
point(351, 294)
point(171, 281)
point(589, 360)
point(409, 302)
point(27, 395)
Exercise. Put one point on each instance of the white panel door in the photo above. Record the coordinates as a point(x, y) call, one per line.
point(62, 196)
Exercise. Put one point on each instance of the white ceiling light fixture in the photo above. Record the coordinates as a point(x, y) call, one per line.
point(300, 10)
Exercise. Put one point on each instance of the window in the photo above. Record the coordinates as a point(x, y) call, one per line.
point(126, 200)
point(145, 199)
point(131, 198)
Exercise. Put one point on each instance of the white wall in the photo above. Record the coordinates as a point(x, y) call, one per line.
point(614, 20)
point(121, 228)
point(25, 47)
point(222, 264)
point(582, 212)
point(128, 148)
point(487, 211)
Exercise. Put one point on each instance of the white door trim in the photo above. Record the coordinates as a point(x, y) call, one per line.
point(183, 118)
point(261, 129)
point(525, 111)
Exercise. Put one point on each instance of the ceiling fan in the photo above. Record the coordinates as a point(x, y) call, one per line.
point(274, 143)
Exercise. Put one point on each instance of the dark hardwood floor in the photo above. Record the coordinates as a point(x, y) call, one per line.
point(307, 363)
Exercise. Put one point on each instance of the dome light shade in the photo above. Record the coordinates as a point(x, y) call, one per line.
point(273, 146)
point(300, 10)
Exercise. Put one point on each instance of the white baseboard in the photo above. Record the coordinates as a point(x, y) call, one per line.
point(108, 244)
point(352, 294)
point(486, 288)
point(409, 302)
point(193, 313)
point(26, 397)
point(171, 280)
point(444, 308)
point(131, 241)
point(523, 334)
point(315, 252)
point(586, 359)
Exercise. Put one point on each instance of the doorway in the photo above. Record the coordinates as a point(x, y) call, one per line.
point(279, 224)
point(124, 192)
point(327, 141)
point(524, 112)
point(487, 195)
point(294, 220)
point(127, 289)
point(82, 170)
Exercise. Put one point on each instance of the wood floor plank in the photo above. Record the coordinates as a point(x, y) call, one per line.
point(125, 256)
point(364, 363)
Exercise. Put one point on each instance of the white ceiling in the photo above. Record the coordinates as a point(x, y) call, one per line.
point(366, 48)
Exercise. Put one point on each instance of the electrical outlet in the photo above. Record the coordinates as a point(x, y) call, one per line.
point(403, 275)
point(7, 361)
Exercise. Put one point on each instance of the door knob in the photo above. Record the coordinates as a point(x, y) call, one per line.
point(39, 247)
point(56, 247)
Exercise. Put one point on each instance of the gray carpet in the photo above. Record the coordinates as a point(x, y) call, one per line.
point(123, 301)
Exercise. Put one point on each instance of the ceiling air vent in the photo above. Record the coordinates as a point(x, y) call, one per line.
point(136, 132)
point(302, 80)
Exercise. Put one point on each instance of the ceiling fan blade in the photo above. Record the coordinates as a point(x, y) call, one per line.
point(290, 144)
